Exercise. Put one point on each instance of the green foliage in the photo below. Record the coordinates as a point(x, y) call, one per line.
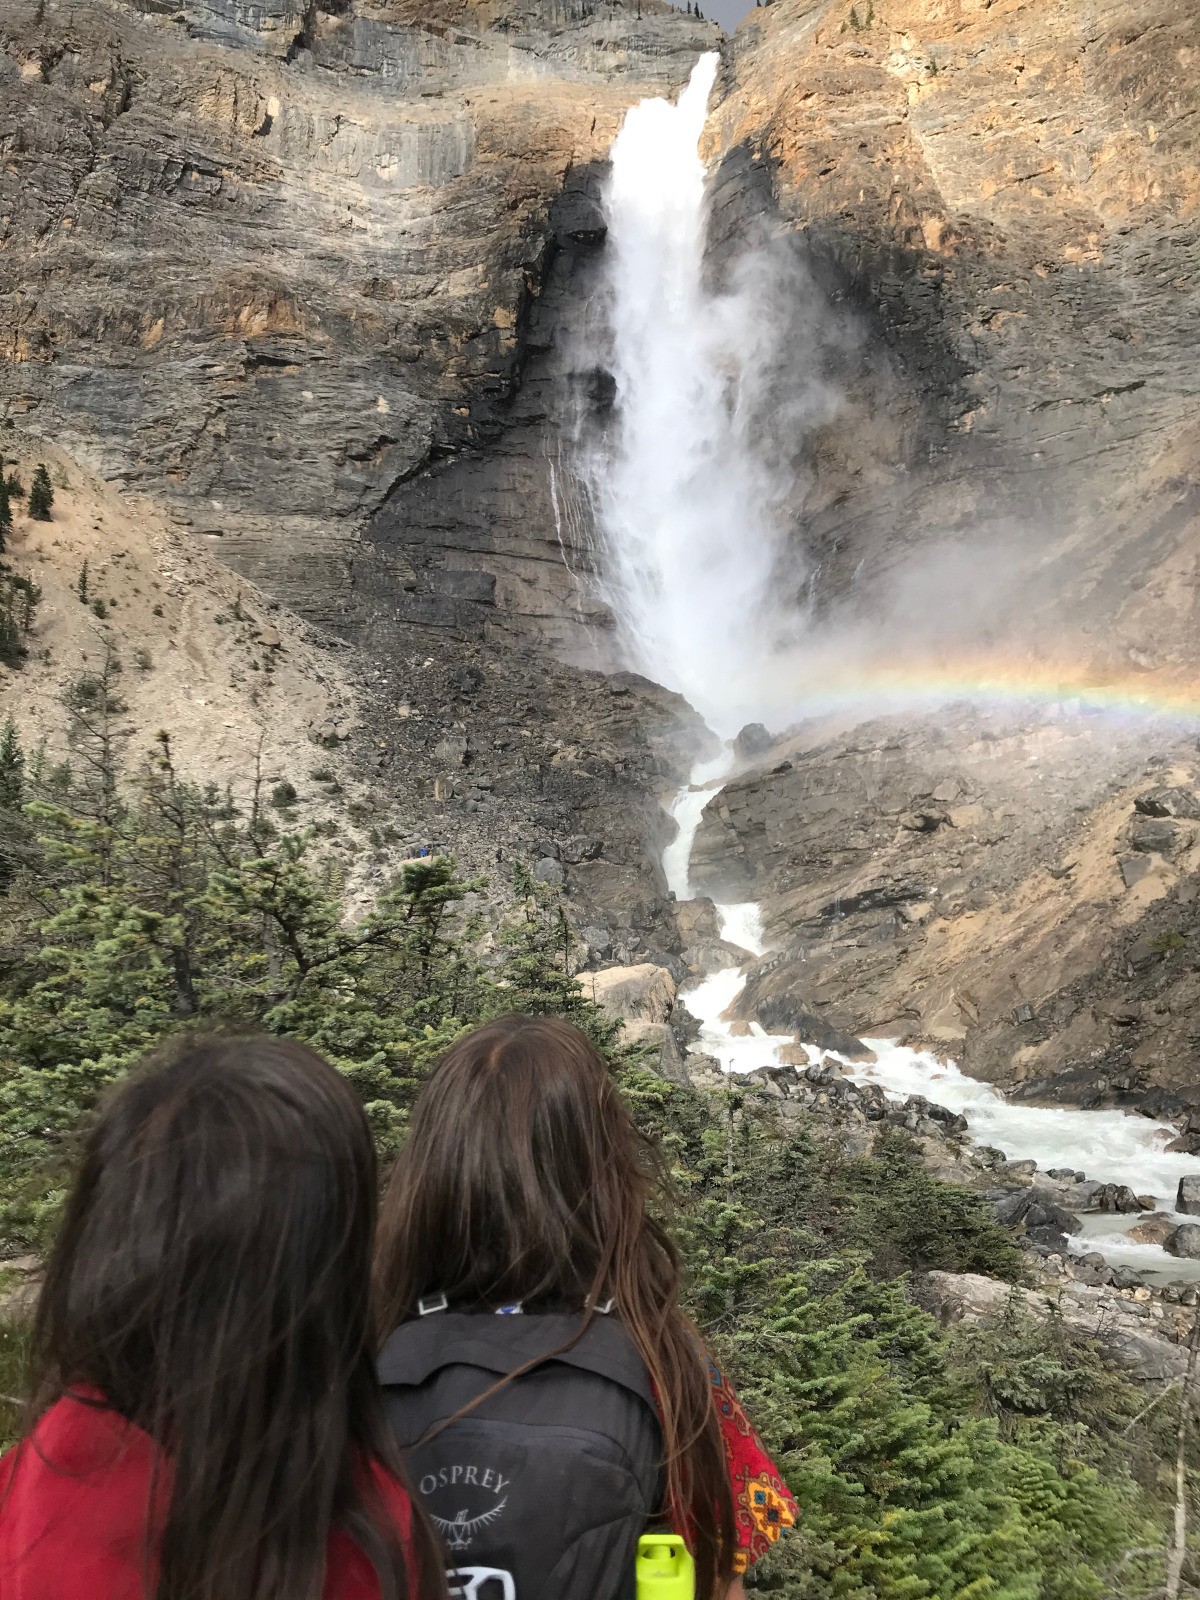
point(284, 795)
point(6, 516)
point(991, 1464)
point(19, 599)
point(41, 494)
point(81, 583)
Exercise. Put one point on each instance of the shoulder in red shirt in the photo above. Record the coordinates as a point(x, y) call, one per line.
point(74, 1500)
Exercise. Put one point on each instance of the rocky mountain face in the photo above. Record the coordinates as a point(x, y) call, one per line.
point(1018, 893)
point(321, 281)
point(295, 268)
point(1002, 201)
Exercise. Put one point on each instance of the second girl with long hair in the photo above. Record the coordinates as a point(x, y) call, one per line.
point(525, 1187)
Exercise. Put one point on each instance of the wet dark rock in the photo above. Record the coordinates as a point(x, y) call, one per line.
point(1184, 1242)
point(1169, 802)
point(1154, 1229)
point(1095, 1196)
point(786, 1014)
point(1187, 1198)
point(1045, 1212)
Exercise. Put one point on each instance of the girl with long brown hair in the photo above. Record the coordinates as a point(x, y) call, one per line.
point(206, 1421)
point(524, 1187)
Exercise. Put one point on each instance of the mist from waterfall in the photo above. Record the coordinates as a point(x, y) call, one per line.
point(686, 506)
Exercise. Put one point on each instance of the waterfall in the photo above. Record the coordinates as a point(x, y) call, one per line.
point(689, 547)
point(687, 537)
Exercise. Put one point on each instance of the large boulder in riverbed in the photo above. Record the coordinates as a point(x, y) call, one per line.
point(1187, 1198)
point(1154, 1229)
point(785, 1013)
point(1090, 1196)
point(1184, 1242)
point(697, 921)
point(644, 993)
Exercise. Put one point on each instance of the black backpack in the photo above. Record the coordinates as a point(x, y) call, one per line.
point(541, 1491)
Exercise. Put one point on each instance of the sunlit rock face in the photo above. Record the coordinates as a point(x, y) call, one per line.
point(276, 262)
point(1005, 199)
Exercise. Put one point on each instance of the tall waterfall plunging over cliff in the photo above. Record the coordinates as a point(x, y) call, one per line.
point(688, 540)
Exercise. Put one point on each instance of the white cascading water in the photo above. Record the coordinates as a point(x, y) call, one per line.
point(683, 504)
point(689, 551)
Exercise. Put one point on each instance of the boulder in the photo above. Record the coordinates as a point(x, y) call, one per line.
point(1045, 1212)
point(1154, 1229)
point(785, 1013)
point(1184, 1242)
point(548, 870)
point(1010, 1209)
point(697, 921)
point(643, 993)
point(753, 740)
point(1048, 1238)
point(1187, 1197)
point(668, 1059)
point(1154, 835)
point(1092, 1196)
point(1169, 802)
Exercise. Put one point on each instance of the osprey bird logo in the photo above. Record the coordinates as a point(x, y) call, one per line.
point(459, 1531)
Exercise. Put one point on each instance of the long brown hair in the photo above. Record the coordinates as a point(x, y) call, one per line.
point(523, 1178)
point(211, 1280)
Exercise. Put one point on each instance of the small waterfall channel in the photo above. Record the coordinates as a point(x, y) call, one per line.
point(688, 554)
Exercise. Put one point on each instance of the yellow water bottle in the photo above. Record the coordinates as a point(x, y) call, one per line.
point(665, 1569)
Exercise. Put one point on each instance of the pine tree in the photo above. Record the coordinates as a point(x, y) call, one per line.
point(6, 516)
point(14, 833)
point(41, 494)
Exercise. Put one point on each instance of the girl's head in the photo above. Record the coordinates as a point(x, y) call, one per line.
point(211, 1281)
point(523, 1178)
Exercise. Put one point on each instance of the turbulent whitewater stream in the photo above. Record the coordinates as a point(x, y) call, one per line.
point(690, 547)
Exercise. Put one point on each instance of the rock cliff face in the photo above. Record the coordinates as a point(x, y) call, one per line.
point(1005, 197)
point(276, 262)
point(1002, 200)
point(1018, 893)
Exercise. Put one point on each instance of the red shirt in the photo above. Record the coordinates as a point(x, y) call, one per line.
point(73, 1505)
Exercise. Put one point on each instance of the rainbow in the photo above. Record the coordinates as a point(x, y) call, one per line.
point(1068, 690)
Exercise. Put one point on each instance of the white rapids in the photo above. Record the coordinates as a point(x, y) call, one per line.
point(1107, 1146)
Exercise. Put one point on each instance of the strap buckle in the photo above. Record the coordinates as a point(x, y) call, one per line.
point(429, 1303)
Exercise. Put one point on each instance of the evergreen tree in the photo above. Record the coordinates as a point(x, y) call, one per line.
point(41, 494)
point(14, 831)
point(6, 516)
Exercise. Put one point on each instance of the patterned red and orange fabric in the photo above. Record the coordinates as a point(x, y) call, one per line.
point(763, 1503)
